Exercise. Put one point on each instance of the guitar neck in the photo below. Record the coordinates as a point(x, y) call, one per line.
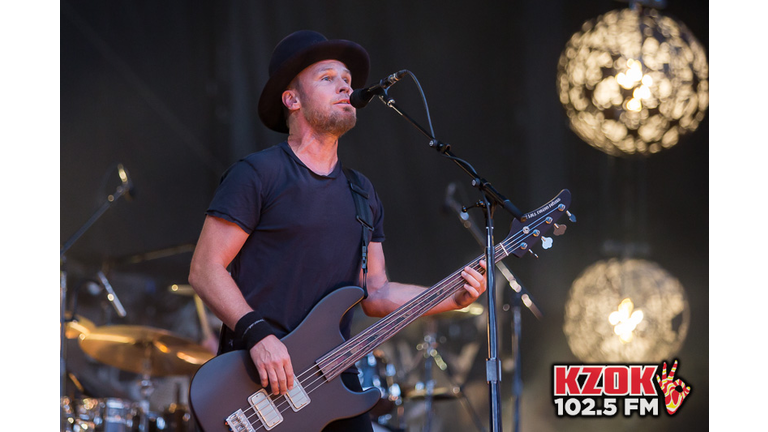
point(346, 354)
point(522, 236)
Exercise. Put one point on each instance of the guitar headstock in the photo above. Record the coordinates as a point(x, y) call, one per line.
point(535, 225)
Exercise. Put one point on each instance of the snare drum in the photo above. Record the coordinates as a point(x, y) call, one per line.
point(100, 415)
point(120, 415)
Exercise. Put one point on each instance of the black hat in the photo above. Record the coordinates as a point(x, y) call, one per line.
point(295, 53)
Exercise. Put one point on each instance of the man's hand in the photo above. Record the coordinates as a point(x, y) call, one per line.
point(673, 398)
point(274, 364)
point(472, 289)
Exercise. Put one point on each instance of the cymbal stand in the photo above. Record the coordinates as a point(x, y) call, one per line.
point(432, 357)
point(146, 388)
point(63, 328)
point(123, 189)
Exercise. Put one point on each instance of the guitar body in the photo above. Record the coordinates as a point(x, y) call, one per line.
point(224, 383)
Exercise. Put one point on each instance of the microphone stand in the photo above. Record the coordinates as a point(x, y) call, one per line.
point(121, 190)
point(521, 295)
point(491, 198)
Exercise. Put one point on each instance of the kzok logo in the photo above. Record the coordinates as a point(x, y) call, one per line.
point(595, 390)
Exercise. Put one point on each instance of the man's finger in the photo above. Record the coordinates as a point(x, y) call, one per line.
point(289, 374)
point(273, 381)
point(472, 291)
point(282, 381)
point(263, 375)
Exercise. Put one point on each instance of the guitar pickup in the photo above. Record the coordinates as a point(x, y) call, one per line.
point(266, 409)
point(238, 422)
point(297, 397)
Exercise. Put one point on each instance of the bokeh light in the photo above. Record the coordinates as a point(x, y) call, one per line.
point(633, 81)
point(625, 311)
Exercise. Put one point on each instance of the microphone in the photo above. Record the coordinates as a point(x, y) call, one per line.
point(360, 97)
point(128, 188)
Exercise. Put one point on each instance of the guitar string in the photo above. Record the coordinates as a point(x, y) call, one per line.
point(422, 304)
point(258, 424)
point(308, 386)
point(427, 295)
point(422, 308)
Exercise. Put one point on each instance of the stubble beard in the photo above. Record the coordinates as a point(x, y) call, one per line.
point(330, 121)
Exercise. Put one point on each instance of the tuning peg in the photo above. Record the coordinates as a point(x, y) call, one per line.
point(546, 242)
point(533, 253)
point(571, 216)
point(559, 229)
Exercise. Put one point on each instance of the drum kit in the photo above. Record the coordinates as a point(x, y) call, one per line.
point(147, 351)
point(153, 353)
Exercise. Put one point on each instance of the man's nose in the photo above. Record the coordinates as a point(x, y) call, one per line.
point(345, 87)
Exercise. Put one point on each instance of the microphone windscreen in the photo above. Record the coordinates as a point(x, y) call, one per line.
point(359, 98)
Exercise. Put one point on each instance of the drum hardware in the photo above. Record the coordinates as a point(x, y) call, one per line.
point(125, 189)
point(202, 316)
point(103, 414)
point(177, 416)
point(77, 326)
point(147, 351)
point(426, 390)
point(375, 370)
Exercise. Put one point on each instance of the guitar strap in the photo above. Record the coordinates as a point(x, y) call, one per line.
point(364, 216)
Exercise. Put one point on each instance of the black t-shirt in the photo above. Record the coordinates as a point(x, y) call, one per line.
point(304, 238)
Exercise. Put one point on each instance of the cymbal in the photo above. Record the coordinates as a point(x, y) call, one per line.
point(144, 350)
point(78, 326)
point(439, 393)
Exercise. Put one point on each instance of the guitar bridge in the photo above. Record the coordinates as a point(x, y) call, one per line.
point(238, 422)
point(266, 409)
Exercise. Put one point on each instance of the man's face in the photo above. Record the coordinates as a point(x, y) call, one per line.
point(323, 90)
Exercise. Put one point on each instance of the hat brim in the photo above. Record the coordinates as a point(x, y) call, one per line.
point(354, 56)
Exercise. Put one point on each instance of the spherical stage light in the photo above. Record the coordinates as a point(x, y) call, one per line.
point(633, 82)
point(626, 311)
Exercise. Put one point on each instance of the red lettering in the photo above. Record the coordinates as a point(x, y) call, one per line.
point(616, 380)
point(565, 380)
point(641, 382)
point(593, 376)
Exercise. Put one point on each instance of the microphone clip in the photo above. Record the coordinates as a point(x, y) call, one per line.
point(386, 98)
point(440, 146)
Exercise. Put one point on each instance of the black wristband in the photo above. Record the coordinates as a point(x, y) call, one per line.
point(250, 329)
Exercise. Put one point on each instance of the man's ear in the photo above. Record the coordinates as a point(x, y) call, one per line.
point(291, 100)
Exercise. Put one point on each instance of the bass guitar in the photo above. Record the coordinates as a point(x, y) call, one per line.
point(226, 393)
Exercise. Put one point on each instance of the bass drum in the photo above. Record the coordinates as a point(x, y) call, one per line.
point(374, 370)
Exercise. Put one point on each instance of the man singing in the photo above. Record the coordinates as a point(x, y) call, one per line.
point(283, 220)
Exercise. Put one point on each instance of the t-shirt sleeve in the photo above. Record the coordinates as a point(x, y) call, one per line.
point(238, 197)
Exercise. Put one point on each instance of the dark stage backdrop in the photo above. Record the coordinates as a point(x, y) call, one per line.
point(170, 90)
